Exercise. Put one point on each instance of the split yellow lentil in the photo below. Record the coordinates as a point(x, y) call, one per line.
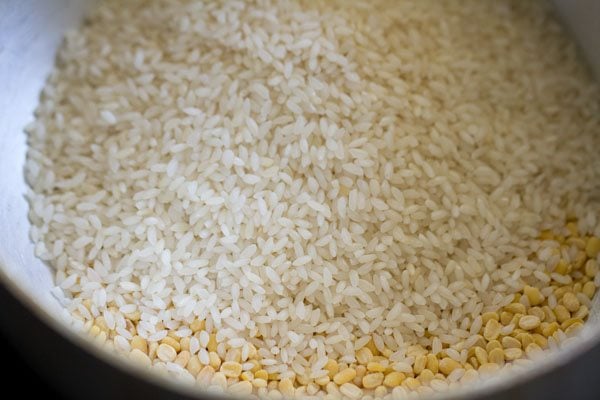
point(518, 330)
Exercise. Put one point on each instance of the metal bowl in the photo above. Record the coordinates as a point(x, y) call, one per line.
point(30, 32)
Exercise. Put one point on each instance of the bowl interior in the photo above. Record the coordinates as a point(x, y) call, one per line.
point(32, 30)
point(31, 33)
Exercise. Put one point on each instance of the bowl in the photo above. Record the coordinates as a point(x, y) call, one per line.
point(30, 32)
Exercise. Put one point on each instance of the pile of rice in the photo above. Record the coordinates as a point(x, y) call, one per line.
point(307, 176)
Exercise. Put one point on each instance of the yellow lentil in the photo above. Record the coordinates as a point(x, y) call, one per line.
point(212, 342)
point(570, 302)
point(166, 352)
point(525, 339)
point(140, 357)
point(470, 376)
point(493, 344)
point(592, 247)
point(380, 391)
point(513, 353)
point(579, 260)
point(570, 322)
point(550, 329)
point(432, 363)
point(411, 383)
point(373, 380)
point(361, 371)
point(185, 343)
point(197, 325)
point(322, 381)
point(231, 369)
point(273, 376)
point(532, 349)
point(364, 355)
point(214, 360)
point(246, 376)
point(506, 317)
point(488, 368)
point(194, 365)
point(591, 268)
point(538, 312)
point(138, 342)
point(509, 342)
point(171, 342)
point(572, 228)
point(516, 308)
point(286, 387)
point(492, 329)
point(183, 358)
point(582, 312)
point(533, 295)
point(377, 367)
point(548, 314)
point(561, 313)
point(344, 376)
point(573, 328)
point(256, 366)
point(394, 379)
point(371, 345)
point(487, 316)
point(419, 364)
point(496, 356)
point(481, 355)
point(447, 365)
point(350, 390)
point(562, 267)
point(540, 340)
point(219, 379)
point(529, 322)
point(332, 367)
point(426, 376)
point(261, 374)
point(259, 383)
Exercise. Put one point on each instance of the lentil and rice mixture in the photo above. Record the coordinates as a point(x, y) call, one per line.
point(320, 198)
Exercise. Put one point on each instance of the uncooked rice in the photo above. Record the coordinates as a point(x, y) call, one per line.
point(310, 176)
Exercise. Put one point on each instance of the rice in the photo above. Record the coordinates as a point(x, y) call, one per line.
point(309, 177)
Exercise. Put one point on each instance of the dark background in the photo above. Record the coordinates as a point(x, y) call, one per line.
point(19, 370)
